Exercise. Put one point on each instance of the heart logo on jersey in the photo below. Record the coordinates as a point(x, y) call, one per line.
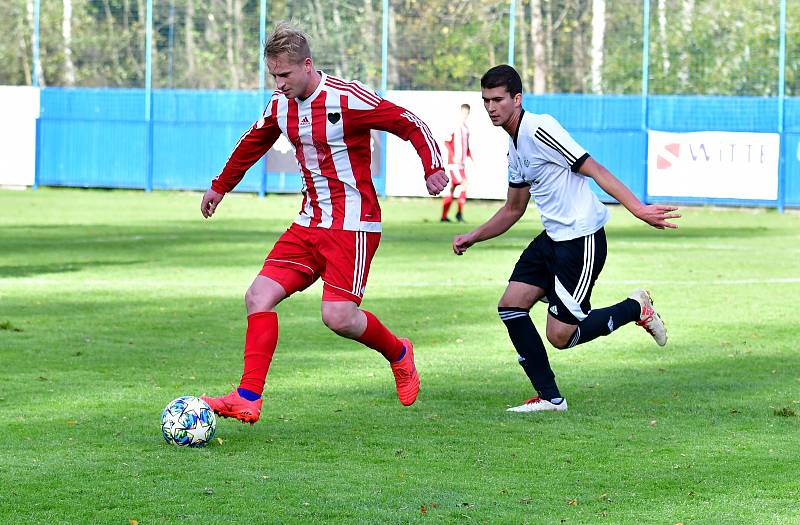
point(333, 118)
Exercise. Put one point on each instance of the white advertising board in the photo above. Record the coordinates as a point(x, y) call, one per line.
point(19, 106)
point(487, 173)
point(713, 164)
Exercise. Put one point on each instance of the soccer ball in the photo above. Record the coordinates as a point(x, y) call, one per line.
point(188, 422)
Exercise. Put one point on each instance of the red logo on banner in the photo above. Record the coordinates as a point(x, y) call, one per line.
point(663, 163)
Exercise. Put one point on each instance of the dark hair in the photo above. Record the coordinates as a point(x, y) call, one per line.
point(465, 106)
point(505, 76)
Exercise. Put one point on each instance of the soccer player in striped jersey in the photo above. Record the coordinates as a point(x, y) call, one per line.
point(335, 236)
point(458, 152)
point(561, 265)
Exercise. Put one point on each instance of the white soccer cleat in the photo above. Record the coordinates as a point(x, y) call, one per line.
point(649, 318)
point(537, 404)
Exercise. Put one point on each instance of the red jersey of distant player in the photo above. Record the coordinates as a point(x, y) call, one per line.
point(330, 131)
point(457, 154)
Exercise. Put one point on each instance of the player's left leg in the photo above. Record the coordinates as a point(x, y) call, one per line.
point(462, 196)
point(447, 197)
point(571, 320)
point(348, 256)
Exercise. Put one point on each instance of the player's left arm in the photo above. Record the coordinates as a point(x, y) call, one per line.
point(401, 122)
point(655, 215)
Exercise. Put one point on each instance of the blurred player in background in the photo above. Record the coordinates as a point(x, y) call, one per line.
point(335, 236)
point(563, 262)
point(457, 154)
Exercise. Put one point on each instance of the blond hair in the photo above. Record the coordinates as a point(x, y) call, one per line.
point(286, 38)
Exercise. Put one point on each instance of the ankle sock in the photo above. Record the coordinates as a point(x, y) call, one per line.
point(248, 394)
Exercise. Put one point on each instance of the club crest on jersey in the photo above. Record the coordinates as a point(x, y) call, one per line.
point(305, 122)
point(333, 118)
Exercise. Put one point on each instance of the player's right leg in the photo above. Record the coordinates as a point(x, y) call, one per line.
point(286, 270)
point(447, 198)
point(528, 284)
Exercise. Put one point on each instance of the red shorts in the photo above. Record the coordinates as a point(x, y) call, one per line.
point(340, 257)
point(457, 176)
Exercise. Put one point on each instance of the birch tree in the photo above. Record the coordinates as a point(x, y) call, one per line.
point(66, 33)
point(598, 37)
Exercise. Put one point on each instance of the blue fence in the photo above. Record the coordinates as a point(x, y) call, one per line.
point(102, 137)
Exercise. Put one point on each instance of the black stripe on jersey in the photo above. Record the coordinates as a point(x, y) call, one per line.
point(518, 184)
point(553, 143)
point(578, 163)
point(519, 123)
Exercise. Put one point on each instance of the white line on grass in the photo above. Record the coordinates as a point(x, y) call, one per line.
point(153, 283)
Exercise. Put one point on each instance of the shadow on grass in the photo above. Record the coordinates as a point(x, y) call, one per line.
point(66, 267)
point(685, 371)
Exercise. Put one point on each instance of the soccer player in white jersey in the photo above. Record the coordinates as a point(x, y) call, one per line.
point(328, 121)
point(562, 263)
point(458, 152)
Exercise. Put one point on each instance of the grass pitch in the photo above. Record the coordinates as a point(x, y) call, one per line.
point(114, 303)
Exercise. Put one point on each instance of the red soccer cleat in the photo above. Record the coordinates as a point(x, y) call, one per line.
point(406, 377)
point(235, 406)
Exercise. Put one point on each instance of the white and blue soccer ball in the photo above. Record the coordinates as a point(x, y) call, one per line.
point(188, 422)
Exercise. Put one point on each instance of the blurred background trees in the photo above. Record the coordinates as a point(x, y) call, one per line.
point(714, 47)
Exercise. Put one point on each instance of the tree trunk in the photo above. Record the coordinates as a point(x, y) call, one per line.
point(662, 37)
point(538, 40)
point(373, 55)
point(112, 37)
point(579, 60)
point(66, 33)
point(142, 36)
point(686, 15)
point(342, 64)
point(238, 25)
point(547, 31)
point(229, 53)
point(598, 38)
point(188, 27)
point(23, 32)
point(523, 47)
point(393, 75)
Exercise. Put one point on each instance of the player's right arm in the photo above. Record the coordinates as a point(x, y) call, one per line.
point(251, 146)
point(513, 209)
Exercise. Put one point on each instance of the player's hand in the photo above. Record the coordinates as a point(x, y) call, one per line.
point(462, 242)
point(209, 203)
point(437, 182)
point(656, 215)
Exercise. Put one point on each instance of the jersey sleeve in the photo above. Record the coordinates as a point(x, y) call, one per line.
point(386, 116)
point(255, 142)
point(515, 177)
point(558, 146)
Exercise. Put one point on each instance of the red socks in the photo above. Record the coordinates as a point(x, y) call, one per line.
point(379, 338)
point(259, 345)
point(446, 201)
point(462, 198)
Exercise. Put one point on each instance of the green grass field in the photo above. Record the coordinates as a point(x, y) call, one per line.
point(112, 303)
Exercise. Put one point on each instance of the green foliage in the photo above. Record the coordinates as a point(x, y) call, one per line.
point(712, 47)
point(127, 300)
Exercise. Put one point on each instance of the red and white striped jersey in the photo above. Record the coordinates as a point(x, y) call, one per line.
point(458, 146)
point(330, 131)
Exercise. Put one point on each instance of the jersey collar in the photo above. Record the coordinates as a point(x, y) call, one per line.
point(519, 123)
point(313, 95)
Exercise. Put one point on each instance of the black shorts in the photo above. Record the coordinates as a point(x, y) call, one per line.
point(566, 270)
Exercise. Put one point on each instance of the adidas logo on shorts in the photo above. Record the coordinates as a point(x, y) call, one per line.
point(554, 310)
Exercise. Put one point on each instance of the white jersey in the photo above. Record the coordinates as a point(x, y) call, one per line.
point(545, 157)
